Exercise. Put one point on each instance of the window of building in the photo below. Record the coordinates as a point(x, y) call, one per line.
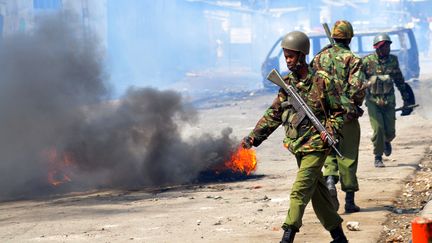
point(47, 4)
point(22, 25)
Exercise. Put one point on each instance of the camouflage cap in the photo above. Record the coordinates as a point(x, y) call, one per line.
point(296, 41)
point(342, 29)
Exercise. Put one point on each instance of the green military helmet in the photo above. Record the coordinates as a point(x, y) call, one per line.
point(342, 29)
point(296, 41)
point(381, 37)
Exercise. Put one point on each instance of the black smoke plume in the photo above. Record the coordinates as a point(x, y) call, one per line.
point(54, 96)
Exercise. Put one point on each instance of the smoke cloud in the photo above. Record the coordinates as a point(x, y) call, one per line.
point(55, 103)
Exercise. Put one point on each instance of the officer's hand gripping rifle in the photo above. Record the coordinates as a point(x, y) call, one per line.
point(301, 107)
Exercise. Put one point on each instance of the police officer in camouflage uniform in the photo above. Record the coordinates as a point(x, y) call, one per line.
point(346, 69)
point(382, 71)
point(302, 139)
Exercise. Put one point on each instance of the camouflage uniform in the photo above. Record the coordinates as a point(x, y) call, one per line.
point(346, 68)
point(303, 140)
point(381, 73)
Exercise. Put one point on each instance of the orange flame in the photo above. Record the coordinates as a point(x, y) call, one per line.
point(59, 167)
point(242, 161)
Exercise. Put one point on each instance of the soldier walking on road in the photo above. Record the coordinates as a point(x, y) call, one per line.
point(346, 69)
point(382, 71)
point(302, 138)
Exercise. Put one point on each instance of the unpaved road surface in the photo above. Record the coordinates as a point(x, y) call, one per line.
point(243, 211)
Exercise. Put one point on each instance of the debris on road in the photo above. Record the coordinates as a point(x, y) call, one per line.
point(353, 226)
point(414, 196)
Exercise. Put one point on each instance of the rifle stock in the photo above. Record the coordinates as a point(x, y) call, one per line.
point(301, 107)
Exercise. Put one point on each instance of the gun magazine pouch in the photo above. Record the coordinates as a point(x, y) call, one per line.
point(380, 85)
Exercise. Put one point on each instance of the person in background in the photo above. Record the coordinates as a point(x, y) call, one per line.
point(382, 72)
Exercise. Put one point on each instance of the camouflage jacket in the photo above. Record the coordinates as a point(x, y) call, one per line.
point(346, 67)
point(381, 74)
point(320, 94)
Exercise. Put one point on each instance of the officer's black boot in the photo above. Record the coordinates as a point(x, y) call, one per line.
point(338, 235)
point(378, 161)
point(288, 235)
point(387, 148)
point(350, 206)
point(331, 185)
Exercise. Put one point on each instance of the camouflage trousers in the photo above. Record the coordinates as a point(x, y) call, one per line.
point(346, 168)
point(383, 121)
point(309, 185)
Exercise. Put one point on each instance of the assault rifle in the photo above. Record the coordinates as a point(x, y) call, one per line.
point(301, 107)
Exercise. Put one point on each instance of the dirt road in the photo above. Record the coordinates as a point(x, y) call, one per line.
point(243, 211)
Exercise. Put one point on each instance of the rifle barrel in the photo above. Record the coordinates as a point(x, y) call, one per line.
point(328, 33)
